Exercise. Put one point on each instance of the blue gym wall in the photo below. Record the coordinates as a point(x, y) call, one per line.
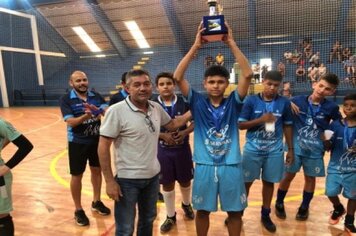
point(105, 73)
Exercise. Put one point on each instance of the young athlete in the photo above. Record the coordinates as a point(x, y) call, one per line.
point(266, 116)
point(218, 169)
point(174, 152)
point(9, 134)
point(342, 166)
point(313, 115)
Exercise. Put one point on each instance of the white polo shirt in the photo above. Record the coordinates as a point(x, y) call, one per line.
point(135, 144)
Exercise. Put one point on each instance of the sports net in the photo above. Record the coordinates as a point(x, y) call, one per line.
point(301, 38)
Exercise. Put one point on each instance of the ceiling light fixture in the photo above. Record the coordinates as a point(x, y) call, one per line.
point(137, 34)
point(86, 38)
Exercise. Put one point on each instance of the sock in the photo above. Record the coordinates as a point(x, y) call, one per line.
point(186, 192)
point(349, 219)
point(6, 226)
point(307, 197)
point(281, 194)
point(339, 208)
point(265, 212)
point(169, 201)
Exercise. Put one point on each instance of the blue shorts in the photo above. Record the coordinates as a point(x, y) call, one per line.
point(271, 165)
point(313, 167)
point(335, 182)
point(176, 164)
point(225, 182)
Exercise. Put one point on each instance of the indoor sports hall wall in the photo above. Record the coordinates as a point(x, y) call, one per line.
point(262, 29)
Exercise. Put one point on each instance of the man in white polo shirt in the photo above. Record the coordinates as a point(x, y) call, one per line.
point(133, 125)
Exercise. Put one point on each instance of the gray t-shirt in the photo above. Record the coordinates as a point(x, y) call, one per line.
point(135, 141)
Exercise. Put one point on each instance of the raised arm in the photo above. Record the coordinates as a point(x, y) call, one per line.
point(246, 71)
point(179, 121)
point(184, 63)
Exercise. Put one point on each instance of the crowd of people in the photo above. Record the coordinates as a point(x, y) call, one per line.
point(150, 139)
point(310, 64)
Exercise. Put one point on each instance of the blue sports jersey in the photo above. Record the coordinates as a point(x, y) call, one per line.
point(310, 123)
point(216, 137)
point(178, 108)
point(342, 159)
point(258, 140)
point(72, 106)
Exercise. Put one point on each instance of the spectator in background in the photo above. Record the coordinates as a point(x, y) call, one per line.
point(315, 59)
point(297, 56)
point(308, 51)
point(335, 52)
point(322, 69)
point(219, 59)
point(122, 94)
point(286, 90)
point(288, 55)
point(300, 73)
point(209, 61)
point(256, 72)
point(281, 68)
point(313, 73)
point(264, 71)
point(349, 66)
point(346, 53)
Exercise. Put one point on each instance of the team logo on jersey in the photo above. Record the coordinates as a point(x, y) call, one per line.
point(309, 120)
point(348, 161)
point(263, 139)
point(308, 138)
point(218, 143)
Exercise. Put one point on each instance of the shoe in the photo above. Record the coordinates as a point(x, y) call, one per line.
point(302, 214)
point(80, 218)
point(168, 224)
point(160, 197)
point(280, 211)
point(268, 224)
point(350, 229)
point(99, 207)
point(188, 211)
point(336, 215)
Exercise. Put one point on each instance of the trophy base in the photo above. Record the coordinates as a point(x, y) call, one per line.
point(213, 37)
point(215, 28)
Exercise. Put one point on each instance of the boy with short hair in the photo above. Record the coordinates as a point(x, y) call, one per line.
point(266, 116)
point(313, 115)
point(342, 166)
point(218, 169)
point(174, 153)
